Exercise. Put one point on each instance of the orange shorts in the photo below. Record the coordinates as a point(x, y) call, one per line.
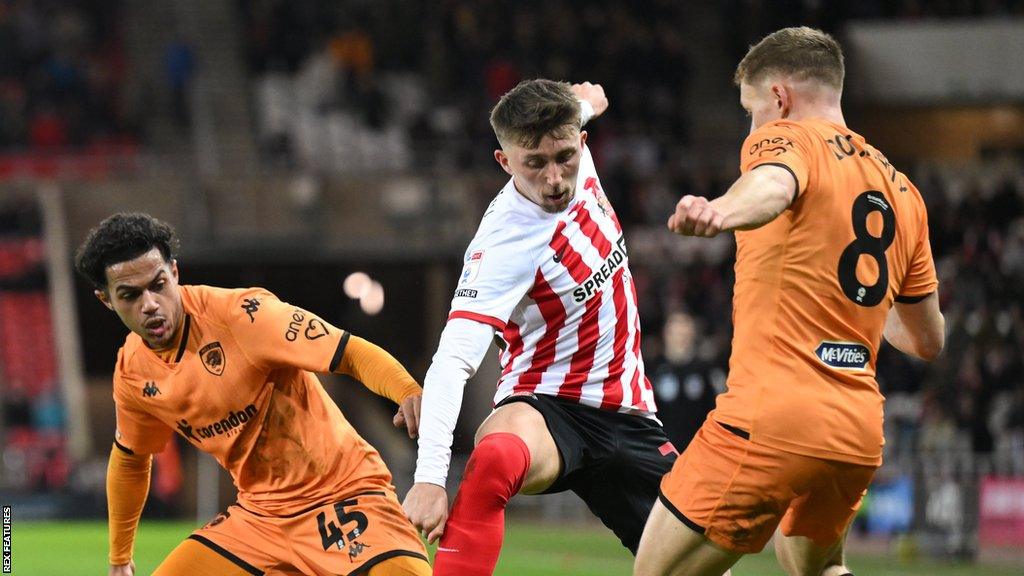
point(346, 537)
point(736, 492)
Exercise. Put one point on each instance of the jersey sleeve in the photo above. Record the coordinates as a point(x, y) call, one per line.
point(275, 334)
point(921, 279)
point(497, 272)
point(137, 431)
point(778, 144)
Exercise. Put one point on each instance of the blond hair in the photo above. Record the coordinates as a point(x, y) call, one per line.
point(801, 52)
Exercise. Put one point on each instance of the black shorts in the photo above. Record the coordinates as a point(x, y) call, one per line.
point(613, 461)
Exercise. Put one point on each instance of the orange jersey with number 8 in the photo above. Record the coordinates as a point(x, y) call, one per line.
point(813, 289)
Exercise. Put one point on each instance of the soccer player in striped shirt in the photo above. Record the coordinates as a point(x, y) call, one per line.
point(547, 272)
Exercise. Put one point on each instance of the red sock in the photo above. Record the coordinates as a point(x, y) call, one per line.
point(472, 537)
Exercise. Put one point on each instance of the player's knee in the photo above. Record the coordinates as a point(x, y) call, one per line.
point(796, 559)
point(498, 464)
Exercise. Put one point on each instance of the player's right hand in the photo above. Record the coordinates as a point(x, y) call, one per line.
point(593, 93)
point(696, 216)
point(426, 506)
point(122, 569)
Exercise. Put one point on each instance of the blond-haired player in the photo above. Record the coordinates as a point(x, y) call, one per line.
point(832, 256)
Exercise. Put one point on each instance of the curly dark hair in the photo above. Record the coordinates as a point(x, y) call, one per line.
point(121, 237)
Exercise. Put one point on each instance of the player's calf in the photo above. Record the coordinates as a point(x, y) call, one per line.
point(475, 530)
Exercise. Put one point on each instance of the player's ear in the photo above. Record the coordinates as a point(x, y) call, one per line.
point(174, 269)
point(502, 159)
point(783, 99)
point(104, 298)
point(583, 138)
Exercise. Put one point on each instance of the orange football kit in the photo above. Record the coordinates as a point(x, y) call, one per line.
point(313, 496)
point(797, 436)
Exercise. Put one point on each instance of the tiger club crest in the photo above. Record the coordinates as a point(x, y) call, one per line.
point(213, 358)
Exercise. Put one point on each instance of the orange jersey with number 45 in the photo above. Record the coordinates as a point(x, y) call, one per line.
point(813, 289)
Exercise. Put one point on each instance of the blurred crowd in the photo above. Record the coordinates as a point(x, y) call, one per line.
point(753, 19)
point(410, 77)
point(62, 75)
point(32, 422)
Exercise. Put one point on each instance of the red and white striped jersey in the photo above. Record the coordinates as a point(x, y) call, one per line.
point(557, 287)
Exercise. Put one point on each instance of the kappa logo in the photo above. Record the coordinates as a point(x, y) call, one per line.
point(213, 358)
point(251, 306)
point(355, 549)
point(150, 390)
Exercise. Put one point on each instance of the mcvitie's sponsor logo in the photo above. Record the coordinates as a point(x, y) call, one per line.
point(593, 284)
point(226, 425)
point(843, 355)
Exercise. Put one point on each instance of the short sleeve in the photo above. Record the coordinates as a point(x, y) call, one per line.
point(778, 144)
point(137, 431)
point(496, 275)
point(921, 279)
point(275, 334)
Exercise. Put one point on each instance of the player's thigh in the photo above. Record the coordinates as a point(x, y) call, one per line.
point(192, 558)
point(733, 490)
point(526, 422)
point(669, 547)
point(401, 566)
point(248, 542)
point(353, 535)
point(622, 489)
point(825, 511)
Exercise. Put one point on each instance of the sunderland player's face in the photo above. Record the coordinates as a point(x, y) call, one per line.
point(546, 175)
point(144, 294)
point(762, 104)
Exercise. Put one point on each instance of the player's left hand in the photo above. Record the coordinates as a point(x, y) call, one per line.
point(408, 415)
point(593, 93)
point(696, 216)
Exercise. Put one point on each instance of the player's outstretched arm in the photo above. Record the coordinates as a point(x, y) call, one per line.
point(754, 200)
point(127, 489)
point(917, 329)
point(592, 94)
point(461, 349)
point(384, 375)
